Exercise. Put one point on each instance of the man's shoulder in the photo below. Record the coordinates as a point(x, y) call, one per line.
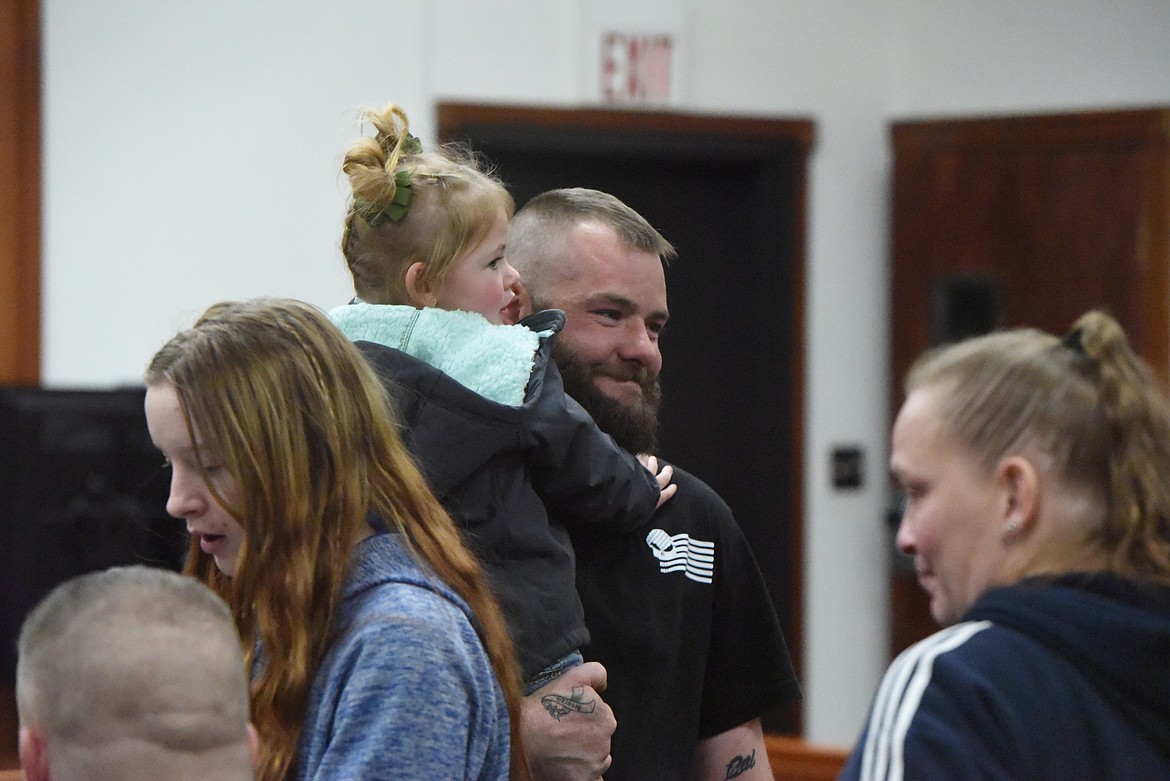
point(695, 504)
point(694, 526)
point(681, 476)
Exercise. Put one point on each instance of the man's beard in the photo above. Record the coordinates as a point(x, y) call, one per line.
point(634, 426)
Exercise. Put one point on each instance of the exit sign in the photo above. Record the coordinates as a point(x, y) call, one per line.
point(636, 68)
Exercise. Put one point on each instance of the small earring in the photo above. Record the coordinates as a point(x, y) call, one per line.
point(1011, 527)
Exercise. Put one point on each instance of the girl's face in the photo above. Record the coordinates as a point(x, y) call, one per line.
point(483, 281)
point(219, 534)
point(951, 524)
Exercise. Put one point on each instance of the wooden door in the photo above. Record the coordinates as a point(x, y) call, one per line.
point(729, 193)
point(20, 193)
point(1026, 220)
point(20, 209)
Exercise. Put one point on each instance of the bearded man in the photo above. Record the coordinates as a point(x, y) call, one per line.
point(678, 612)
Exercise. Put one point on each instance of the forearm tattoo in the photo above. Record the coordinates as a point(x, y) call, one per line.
point(741, 764)
point(559, 705)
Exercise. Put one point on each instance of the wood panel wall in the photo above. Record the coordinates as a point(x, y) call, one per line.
point(20, 192)
point(20, 233)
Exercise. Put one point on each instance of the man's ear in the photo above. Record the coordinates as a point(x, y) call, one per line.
point(1020, 482)
point(417, 285)
point(34, 754)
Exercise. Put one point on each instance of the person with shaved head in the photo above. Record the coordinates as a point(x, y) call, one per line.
point(133, 673)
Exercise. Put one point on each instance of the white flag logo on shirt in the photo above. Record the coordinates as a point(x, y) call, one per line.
point(683, 553)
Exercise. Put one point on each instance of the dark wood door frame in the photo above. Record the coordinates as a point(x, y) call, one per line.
point(551, 126)
point(20, 234)
point(20, 192)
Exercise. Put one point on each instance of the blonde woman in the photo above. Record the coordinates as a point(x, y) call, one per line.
point(1037, 479)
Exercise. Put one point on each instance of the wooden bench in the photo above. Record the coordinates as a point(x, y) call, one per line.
point(793, 759)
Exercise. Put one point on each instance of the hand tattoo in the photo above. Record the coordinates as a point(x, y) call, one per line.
point(559, 705)
point(740, 765)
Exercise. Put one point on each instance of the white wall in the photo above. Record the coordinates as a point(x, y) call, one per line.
point(191, 154)
point(1006, 56)
point(192, 149)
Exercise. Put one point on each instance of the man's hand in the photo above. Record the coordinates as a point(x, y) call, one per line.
point(566, 726)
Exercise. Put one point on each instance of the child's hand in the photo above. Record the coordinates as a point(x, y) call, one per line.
point(666, 489)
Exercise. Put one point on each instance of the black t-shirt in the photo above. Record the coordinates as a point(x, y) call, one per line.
point(679, 614)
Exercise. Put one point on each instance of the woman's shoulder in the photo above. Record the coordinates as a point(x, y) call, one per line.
point(406, 677)
point(386, 576)
point(951, 643)
point(395, 609)
point(972, 661)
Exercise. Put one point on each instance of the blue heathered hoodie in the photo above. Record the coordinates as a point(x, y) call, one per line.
point(406, 690)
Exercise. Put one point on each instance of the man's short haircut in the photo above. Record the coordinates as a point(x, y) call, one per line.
point(539, 231)
point(133, 652)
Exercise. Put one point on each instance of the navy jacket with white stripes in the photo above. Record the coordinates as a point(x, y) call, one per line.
point(1065, 678)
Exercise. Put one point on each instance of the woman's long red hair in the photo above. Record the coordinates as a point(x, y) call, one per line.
point(290, 408)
